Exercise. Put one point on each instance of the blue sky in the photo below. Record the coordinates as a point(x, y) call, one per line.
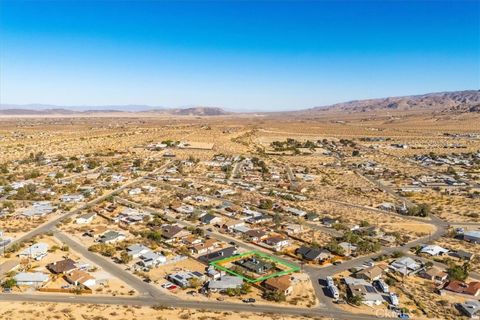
point(241, 55)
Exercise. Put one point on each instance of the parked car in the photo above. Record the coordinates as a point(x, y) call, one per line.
point(249, 300)
point(403, 316)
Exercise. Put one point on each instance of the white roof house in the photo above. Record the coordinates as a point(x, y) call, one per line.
point(135, 191)
point(111, 237)
point(433, 250)
point(405, 266)
point(224, 283)
point(36, 251)
point(72, 198)
point(296, 212)
point(20, 184)
point(38, 209)
point(152, 259)
point(372, 298)
point(31, 278)
point(116, 178)
point(85, 218)
point(136, 250)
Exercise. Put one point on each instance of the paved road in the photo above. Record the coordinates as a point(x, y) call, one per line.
point(115, 270)
point(385, 188)
point(379, 211)
point(153, 296)
point(441, 265)
point(52, 223)
point(317, 274)
point(220, 236)
point(189, 304)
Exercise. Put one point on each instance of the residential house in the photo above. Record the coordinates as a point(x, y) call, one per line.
point(72, 198)
point(210, 219)
point(80, 277)
point(136, 250)
point(135, 191)
point(87, 190)
point(256, 235)
point(463, 255)
point(35, 279)
point(225, 192)
point(314, 254)
point(293, 228)
point(387, 206)
point(183, 278)
point(217, 255)
point(111, 236)
point(405, 266)
point(434, 274)
point(204, 247)
point(152, 259)
point(277, 242)
point(255, 265)
point(296, 212)
point(20, 184)
point(62, 267)
point(116, 178)
point(36, 251)
point(459, 287)
point(472, 236)
point(38, 209)
point(348, 248)
point(171, 232)
point(224, 283)
point(192, 240)
point(311, 216)
point(470, 308)
point(370, 296)
point(232, 224)
point(329, 222)
point(85, 218)
point(182, 208)
point(130, 216)
point(259, 219)
point(281, 284)
point(433, 250)
point(371, 273)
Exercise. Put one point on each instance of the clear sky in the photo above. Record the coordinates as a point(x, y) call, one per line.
point(241, 55)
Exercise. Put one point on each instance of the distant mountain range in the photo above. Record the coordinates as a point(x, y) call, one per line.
point(443, 102)
point(440, 102)
point(37, 109)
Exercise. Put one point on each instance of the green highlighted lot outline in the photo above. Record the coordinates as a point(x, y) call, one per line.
point(290, 267)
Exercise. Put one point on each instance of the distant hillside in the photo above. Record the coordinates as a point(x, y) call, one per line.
point(200, 111)
point(443, 102)
point(439, 103)
point(18, 110)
